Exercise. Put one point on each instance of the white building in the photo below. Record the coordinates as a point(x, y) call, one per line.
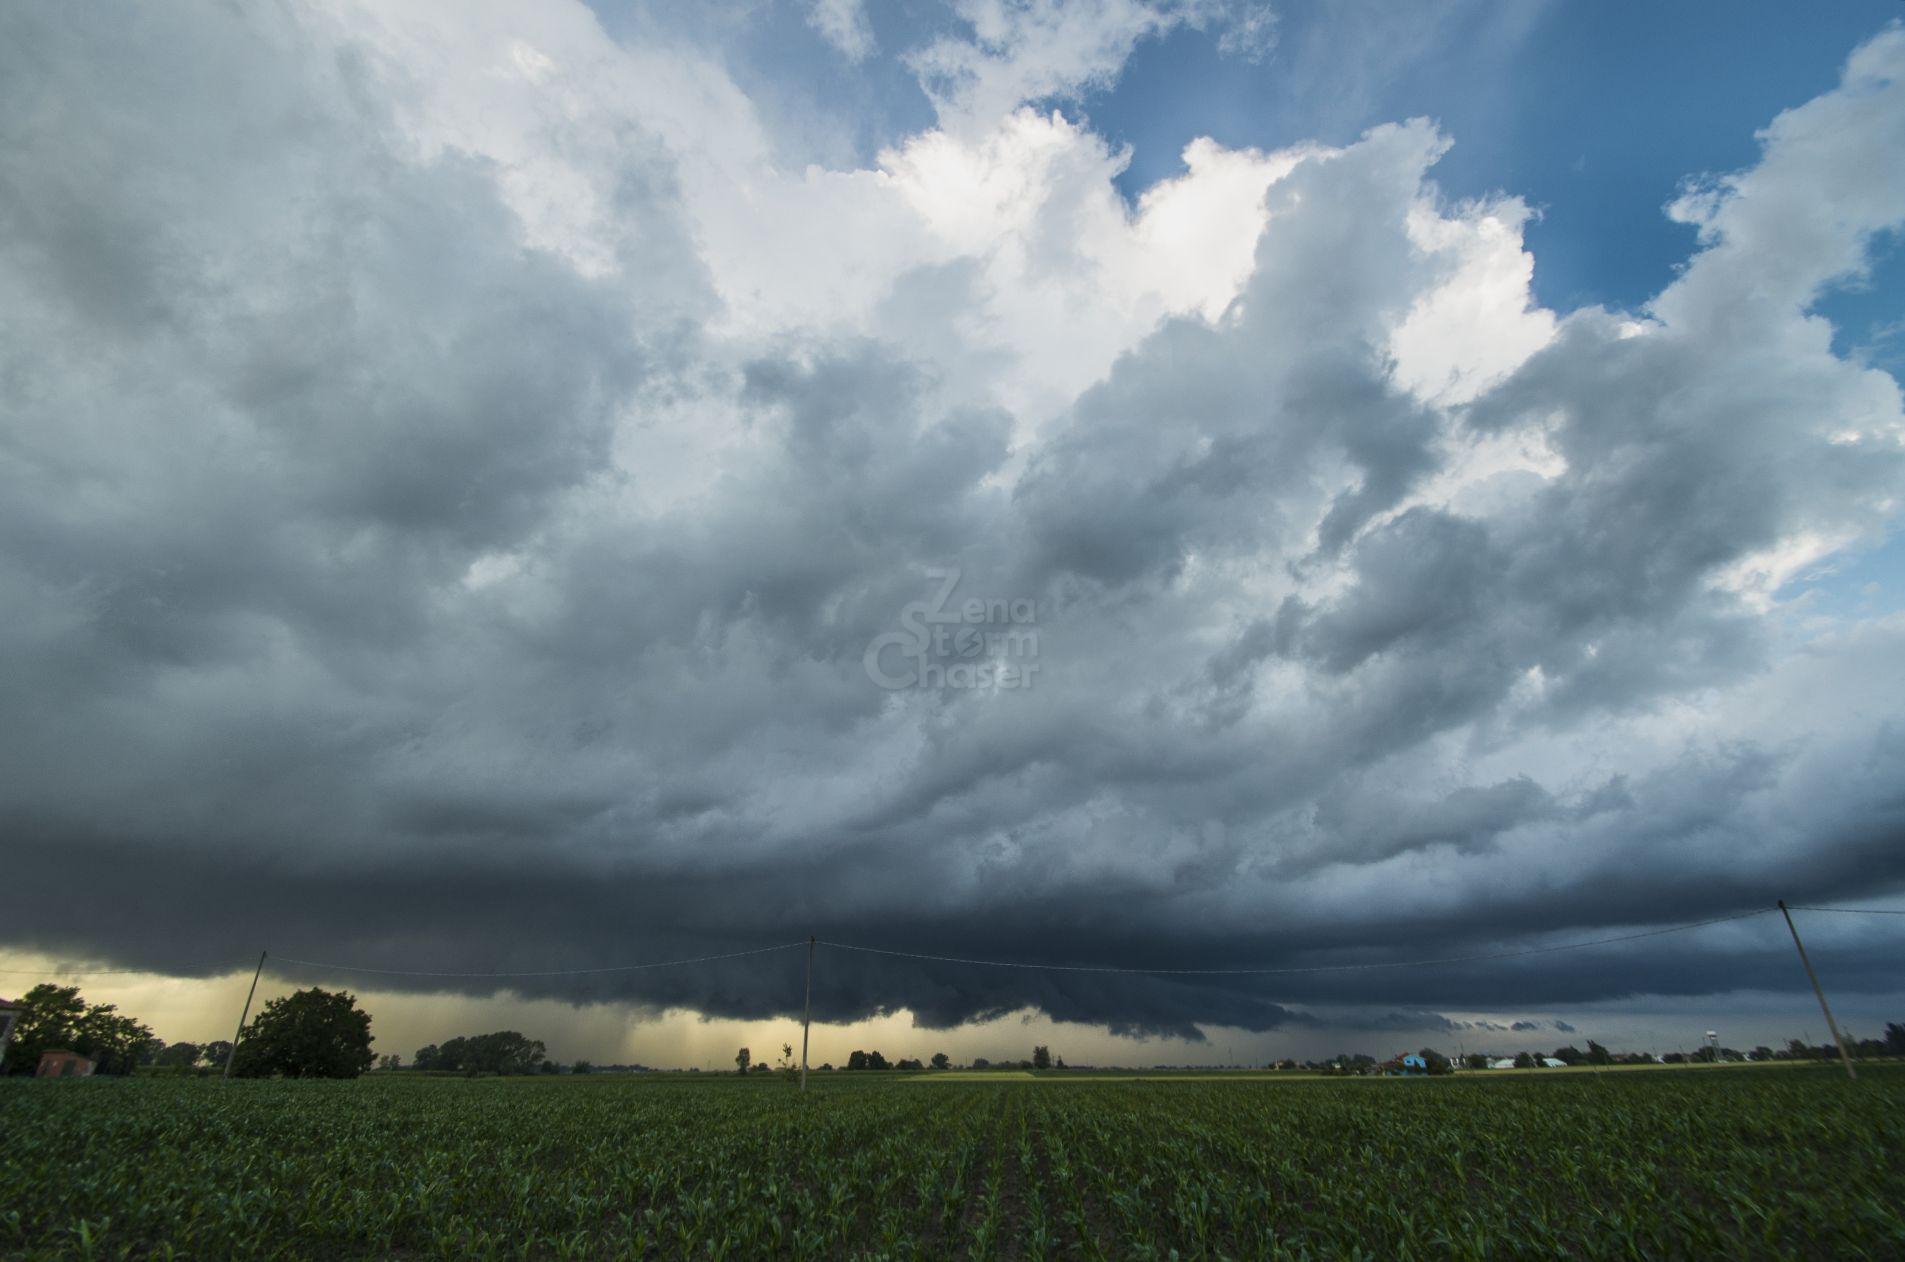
point(9, 1014)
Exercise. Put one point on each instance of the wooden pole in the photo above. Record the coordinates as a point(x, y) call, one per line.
point(240, 1032)
point(1832, 1025)
point(807, 1014)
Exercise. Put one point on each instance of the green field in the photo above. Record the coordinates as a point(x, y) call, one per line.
point(1752, 1163)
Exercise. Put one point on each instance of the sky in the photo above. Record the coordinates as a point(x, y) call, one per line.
point(496, 494)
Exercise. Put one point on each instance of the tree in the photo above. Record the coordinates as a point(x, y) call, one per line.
point(1524, 1061)
point(183, 1055)
point(1569, 1055)
point(429, 1056)
point(1894, 1039)
point(1435, 1062)
point(910, 1064)
point(54, 1018)
point(1598, 1055)
point(216, 1052)
point(980, 1062)
point(742, 1059)
point(941, 1061)
point(391, 1062)
point(1475, 1060)
point(49, 1020)
point(877, 1061)
point(1041, 1057)
point(313, 1033)
point(501, 1052)
point(582, 1067)
point(858, 1060)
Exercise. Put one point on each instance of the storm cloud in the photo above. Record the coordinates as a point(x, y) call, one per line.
point(451, 476)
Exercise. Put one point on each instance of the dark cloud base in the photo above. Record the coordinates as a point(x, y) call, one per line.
point(200, 914)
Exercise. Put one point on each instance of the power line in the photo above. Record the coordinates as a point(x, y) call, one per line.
point(1314, 968)
point(551, 972)
point(1854, 911)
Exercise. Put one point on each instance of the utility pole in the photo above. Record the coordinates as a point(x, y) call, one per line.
point(240, 1032)
point(1832, 1025)
point(807, 1013)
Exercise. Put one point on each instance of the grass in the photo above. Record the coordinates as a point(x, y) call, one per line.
point(1773, 1163)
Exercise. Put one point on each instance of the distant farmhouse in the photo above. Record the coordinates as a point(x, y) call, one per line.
point(64, 1064)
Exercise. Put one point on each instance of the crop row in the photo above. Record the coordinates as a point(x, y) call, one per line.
point(1774, 1164)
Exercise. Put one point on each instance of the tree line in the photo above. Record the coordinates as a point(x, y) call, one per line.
point(316, 1033)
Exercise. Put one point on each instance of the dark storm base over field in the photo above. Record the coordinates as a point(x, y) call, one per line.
point(1788, 1162)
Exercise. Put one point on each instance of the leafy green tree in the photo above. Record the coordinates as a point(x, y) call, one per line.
point(1524, 1061)
point(1041, 1057)
point(1435, 1062)
point(111, 1039)
point(49, 1020)
point(1598, 1055)
point(941, 1061)
point(215, 1052)
point(582, 1067)
point(181, 1054)
point(858, 1060)
point(313, 1033)
point(742, 1059)
point(55, 1017)
point(1894, 1039)
point(502, 1052)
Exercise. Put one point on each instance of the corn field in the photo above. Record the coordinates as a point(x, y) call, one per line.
point(1723, 1163)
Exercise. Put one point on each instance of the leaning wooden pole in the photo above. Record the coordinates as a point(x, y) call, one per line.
point(1832, 1025)
point(807, 1013)
point(239, 1033)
